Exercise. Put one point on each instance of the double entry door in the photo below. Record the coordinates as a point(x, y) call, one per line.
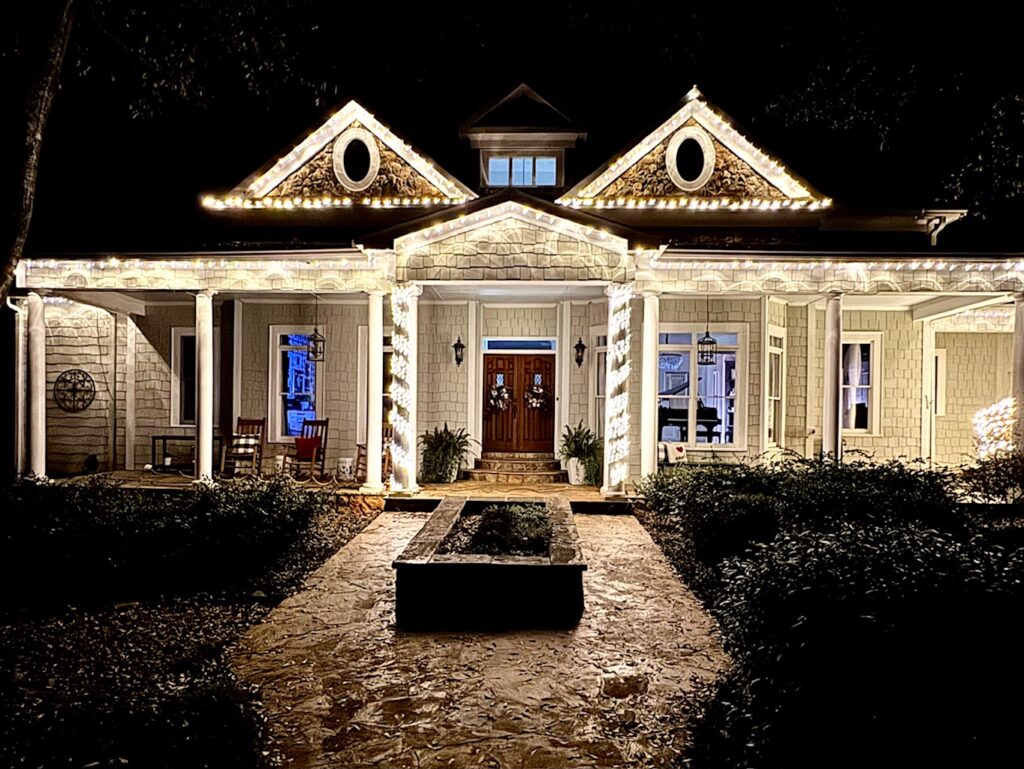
point(526, 423)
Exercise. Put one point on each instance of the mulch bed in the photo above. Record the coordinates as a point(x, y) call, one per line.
point(145, 683)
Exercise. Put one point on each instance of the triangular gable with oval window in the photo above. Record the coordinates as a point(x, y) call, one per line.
point(350, 160)
point(696, 160)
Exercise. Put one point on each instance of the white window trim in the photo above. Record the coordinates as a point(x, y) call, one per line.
point(742, 417)
point(940, 382)
point(778, 331)
point(274, 378)
point(362, 378)
point(874, 339)
point(595, 332)
point(177, 332)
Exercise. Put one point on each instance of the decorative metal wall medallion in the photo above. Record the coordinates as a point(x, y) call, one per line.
point(74, 390)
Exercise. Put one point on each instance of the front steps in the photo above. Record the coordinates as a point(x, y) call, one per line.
point(517, 467)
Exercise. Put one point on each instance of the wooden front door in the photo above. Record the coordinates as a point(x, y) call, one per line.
point(519, 427)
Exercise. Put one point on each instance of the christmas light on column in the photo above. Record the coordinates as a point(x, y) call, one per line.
point(402, 391)
point(616, 431)
point(993, 428)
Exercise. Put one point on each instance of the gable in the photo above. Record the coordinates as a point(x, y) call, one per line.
point(315, 174)
point(733, 172)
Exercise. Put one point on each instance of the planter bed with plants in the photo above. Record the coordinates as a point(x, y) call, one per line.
point(485, 563)
point(118, 608)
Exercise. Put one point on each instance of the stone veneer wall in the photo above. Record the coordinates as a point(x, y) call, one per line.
point(796, 378)
point(900, 434)
point(339, 372)
point(979, 367)
point(87, 338)
point(443, 387)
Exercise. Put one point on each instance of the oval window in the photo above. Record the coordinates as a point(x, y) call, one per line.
point(356, 160)
point(689, 159)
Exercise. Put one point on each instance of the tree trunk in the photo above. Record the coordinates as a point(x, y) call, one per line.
point(38, 110)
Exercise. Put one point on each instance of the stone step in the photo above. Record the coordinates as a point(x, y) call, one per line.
point(538, 455)
point(519, 465)
point(492, 476)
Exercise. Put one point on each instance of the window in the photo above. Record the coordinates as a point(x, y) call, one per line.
point(522, 171)
point(293, 381)
point(526, 345)
point(183, 375)
point(775, 410)
point(698, 405)
point(861, 360)
point(600, 381)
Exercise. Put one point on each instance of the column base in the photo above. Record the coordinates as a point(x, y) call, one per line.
point(374, 490)
point(609, 492)
point(412, 490)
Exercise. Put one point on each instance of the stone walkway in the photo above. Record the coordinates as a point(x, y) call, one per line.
point(343, 688)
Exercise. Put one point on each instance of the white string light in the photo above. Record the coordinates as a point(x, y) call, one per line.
point(993, 428)
point(617, 377)
point(403, 445)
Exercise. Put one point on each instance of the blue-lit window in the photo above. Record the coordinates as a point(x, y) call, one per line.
point(296, 385)
point(540, 345)
point(522, 171)
point(497, 171)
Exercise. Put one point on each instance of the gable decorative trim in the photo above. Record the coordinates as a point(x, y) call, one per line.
point(645, 175)
point(438, 187)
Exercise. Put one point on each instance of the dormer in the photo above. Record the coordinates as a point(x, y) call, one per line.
point(522, 141)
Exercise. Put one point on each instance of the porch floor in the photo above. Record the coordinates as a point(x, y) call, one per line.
point(147, 479)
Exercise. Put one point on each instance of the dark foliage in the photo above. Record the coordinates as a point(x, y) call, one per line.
point(146, 683)
point(874, 626)
point(999, 479)
point(97, 540)
point(501, 529)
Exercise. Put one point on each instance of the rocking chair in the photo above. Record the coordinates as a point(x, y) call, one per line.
point(387, 436)
point(307, 457)
point(245, 452)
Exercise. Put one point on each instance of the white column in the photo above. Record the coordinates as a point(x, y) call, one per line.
point(204, 385)
point(649, 386)
point(832, 434)
point(1018, 368)
point(617, 370)
point(927, 390)
point(36, 385)
point(404, 393)
point(374, 389)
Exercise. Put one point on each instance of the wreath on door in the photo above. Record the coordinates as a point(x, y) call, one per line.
point(536, 396)
point(500, 398)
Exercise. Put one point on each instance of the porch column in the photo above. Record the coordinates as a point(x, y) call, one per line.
point(404, 363)
point(36, 385)
point(374, 388)
point(204, 385)
point(649, 386)
point(832, 433)
point(616, 412)
point(1018, 369)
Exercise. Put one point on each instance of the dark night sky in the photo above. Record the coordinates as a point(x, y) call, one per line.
point(873, 109)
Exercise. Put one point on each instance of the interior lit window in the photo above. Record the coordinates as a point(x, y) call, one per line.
point(522, 171)
point(497, 171)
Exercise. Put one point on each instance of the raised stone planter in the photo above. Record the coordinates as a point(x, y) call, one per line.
point(456, 591)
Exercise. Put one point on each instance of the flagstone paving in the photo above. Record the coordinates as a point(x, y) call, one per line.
point(343, 687)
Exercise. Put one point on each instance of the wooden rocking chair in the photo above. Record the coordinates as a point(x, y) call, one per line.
point(245, 450)
point(307, 457)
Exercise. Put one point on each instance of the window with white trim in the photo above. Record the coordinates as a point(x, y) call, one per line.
point(184, 395)
point(521, 171)
point(775, 406)
point(860, 374)
point(293, 382)
point(711, 413)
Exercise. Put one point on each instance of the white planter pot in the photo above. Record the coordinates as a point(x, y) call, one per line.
point(453, 474)
point(577, 471)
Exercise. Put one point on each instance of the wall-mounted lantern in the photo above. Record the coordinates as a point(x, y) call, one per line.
point(580, 348)
point(459, 348)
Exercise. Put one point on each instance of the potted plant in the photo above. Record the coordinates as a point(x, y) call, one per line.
point(444, 452)
point(581, 449)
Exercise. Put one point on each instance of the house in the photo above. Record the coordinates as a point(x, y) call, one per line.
point(693, 290)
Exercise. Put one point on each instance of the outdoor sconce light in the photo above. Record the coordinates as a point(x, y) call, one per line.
point(459, 348)
point(580, 348)
point(315, 345)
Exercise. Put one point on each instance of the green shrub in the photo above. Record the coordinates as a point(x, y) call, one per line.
point(866, 645)
point(998, 479)
point(580, 442)
point(96, 539)
point(444, 452)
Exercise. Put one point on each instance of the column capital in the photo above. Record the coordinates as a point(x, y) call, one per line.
point(615, 289)
point(412, 289)
point(209, 292)
point(376, 292)
point(1018, 297)
point(650, 294)
point(834, 295)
